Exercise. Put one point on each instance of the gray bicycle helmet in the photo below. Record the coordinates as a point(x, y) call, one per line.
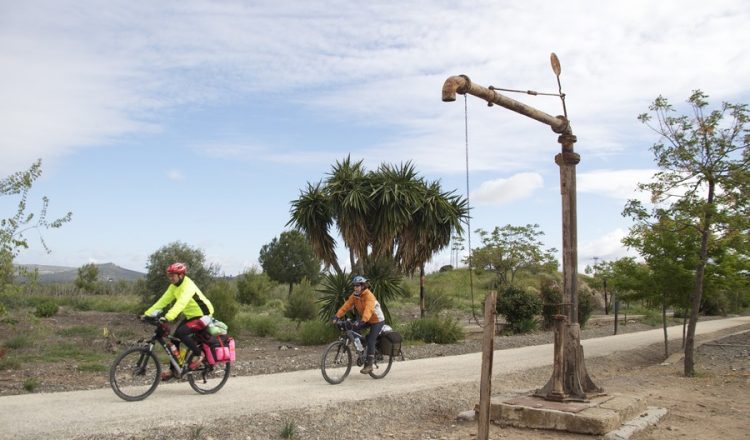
point(359, 279)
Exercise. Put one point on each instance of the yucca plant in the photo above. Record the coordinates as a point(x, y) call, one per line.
point(385, 283)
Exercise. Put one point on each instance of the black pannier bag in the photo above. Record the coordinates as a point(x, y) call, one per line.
point(390, 343)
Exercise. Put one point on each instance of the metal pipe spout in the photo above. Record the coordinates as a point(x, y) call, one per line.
point(455, 84)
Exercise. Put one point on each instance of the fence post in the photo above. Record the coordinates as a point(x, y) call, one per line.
point(485, 388)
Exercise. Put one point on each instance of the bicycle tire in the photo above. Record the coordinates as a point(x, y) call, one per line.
point(135, 374)
point(336, 362)
point(376, 372)
point(208, 379)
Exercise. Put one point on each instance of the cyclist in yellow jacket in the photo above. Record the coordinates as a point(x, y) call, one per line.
point(370, 315)
point(191, 302)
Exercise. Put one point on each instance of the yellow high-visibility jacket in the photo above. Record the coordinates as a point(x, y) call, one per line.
point(187, 298)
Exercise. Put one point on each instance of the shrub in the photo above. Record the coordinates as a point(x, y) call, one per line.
point(18, 341)
point(585, 305)
point(253, 287)
point(551, 295)
point(223, 296)
point(46, 308)
point(434, 329)
point(316, 333)
point(446, 268)
point(301, 305)
point(263, 325)
point(519, 308)
point(30, 384)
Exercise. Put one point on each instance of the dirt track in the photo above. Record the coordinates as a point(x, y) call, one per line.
point(71, 414)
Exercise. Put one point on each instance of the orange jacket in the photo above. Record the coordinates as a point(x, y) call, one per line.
point(367, 306)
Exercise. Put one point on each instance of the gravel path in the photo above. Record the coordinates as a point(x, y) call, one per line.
point(419, 393)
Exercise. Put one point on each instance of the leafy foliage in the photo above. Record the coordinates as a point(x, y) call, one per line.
point(198, 271)
point(703, 183)
point(87, 277)
point(46, 309)
point(301, 306)
point(438, 330)
point(289, 259)
point(390, 212)
point(12, 229)
point(511, 249)
point(253, 287)
point(223, 296)
point(519, 308)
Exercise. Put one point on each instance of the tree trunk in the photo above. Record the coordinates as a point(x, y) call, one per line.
point(664, 324)
point(421, 291)
point(695, 298)
point(289, 294)
point(606, 303)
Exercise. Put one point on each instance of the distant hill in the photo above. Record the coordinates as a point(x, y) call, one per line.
point(62, 274)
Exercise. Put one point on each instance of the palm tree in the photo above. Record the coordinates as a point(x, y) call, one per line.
point(391, 213)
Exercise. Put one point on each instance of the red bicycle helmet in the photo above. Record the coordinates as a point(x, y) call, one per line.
point(178, 268)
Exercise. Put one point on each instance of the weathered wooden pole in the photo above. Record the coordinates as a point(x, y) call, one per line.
point(570, 370)
point(485, 386)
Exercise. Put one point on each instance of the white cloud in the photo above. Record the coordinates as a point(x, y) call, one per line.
point(501, 191)
point(606, 247)
point(617, 184)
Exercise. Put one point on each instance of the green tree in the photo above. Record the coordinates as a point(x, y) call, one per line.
point(199, 271)
point(88, 275)
point(703, 177)
point(391, 213)
point(253, 287)
point(511, 249)
point(12, 229)
point(289, 259)
point(670, 253)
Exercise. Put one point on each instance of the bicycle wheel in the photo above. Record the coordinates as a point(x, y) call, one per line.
point(336, 362)
point(208, 379)
point(135, 374)
point(381, 366)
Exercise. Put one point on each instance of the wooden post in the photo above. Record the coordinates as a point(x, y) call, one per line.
point(485, 388)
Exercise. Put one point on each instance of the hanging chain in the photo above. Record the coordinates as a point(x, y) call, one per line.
point(468, 203)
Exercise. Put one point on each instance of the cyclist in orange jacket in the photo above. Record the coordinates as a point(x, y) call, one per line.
point(370, 316)
point(191, 302)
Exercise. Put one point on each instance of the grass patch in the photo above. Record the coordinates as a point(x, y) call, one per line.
point(316, 333)
point(92, 368)
point(7, 363)
point(438, 330)
point(30, 384)
point(84, 331)
point(18, 342)
point(289, 431)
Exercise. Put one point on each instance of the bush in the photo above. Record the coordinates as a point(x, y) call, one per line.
point(585, 305)
point(434, 329)
point(254, 287)
point(301, 305)
point(223, 296)
point(519, 308)
point(263, 325)
point(551, 295)
point(46, 308)
point(446, 268)
point(316, 333)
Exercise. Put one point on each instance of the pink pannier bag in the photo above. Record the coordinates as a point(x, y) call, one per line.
point(224, 352)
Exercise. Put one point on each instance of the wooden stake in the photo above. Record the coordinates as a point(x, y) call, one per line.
point(485, 388)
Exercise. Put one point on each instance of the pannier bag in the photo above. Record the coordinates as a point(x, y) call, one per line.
point(219, 349)
point(390, 343)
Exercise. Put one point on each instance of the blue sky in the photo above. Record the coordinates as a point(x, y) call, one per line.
point(200, 121)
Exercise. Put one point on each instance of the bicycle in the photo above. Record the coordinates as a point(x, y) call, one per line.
point(337, 359)
point(136, 372)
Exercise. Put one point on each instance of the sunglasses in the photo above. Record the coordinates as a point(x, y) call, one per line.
point(359, 285)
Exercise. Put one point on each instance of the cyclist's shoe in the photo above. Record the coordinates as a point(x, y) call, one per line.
point(166, 376)
point(367, 369)
point(196, 362)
